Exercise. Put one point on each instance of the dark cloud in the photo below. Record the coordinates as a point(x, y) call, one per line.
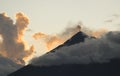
point(98, 50)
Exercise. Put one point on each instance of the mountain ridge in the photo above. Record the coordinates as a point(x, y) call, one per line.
point(77, 38)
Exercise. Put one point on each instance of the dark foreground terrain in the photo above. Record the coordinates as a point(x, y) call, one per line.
point(95, 69)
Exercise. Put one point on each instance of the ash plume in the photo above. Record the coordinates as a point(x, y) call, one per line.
point(13, 45)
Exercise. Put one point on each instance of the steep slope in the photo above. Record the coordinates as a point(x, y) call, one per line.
point(77, 38)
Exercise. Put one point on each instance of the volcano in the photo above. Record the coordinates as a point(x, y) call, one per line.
point(111, 68)
point(77, 38)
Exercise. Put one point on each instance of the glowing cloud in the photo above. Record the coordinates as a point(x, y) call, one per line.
point(53, 41)
point(12, 45)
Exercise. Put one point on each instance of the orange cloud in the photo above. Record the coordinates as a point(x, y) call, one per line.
point(99, 32)
point(13, 46)
point(38, 35)
point(53, 41)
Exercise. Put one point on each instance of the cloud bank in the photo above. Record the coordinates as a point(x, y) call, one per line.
point(98, 50)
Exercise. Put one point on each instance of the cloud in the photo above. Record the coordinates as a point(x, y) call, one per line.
point(39, 35)
point(113, 18)
point(99, 50)
point(53, 41)
point(112, 22)
point(12, 44)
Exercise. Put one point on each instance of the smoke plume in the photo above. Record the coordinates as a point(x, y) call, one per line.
point(98, 50)
point(12, 43)
point(53, 41)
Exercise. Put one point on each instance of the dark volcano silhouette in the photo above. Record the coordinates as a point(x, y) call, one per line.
point(111, 68)
point(77, 38)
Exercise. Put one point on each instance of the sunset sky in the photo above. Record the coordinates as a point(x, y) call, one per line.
point(52, 16)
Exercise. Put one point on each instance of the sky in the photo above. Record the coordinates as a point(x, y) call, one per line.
point(52, 16)
point(52, 22)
